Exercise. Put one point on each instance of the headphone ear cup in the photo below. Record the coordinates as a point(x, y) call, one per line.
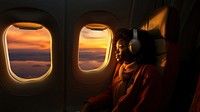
point(134, 46)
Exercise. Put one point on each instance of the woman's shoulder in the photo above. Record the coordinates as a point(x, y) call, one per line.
point(150, 70)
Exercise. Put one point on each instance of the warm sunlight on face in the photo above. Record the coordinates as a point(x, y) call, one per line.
point(29, 51)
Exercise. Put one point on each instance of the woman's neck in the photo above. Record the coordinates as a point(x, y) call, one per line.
point(129, 61)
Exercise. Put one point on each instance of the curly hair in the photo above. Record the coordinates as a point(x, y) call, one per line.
point(123, 33)
point(147, 52)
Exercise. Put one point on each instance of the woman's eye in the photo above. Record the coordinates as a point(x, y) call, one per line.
point(120, 47)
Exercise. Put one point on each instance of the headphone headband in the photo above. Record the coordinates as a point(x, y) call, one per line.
point(134, 44)
point(135, 35)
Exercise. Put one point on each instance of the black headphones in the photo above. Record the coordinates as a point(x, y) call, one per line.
point(134, 44)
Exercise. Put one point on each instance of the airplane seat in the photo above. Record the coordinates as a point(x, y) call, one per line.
point(195, 104)
point(163, 26)
point(196, 99)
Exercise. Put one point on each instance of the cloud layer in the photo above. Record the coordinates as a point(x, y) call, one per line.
point(29, 56)
point(29, 51)
point(27, 64)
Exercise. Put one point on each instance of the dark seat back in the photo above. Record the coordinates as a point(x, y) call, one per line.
point(163, 25)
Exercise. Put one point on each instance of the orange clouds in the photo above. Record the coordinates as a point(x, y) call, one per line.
point(28, 39)
point(40, 39)
point(93, 39)
point(29, 51)
point(92, 48)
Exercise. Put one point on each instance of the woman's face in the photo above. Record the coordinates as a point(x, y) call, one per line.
point(122, 51)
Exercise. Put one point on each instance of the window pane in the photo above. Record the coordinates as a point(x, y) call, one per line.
point(28, 50)
point(94, 46)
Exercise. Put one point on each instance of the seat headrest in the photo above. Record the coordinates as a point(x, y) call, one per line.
point(163, 21)
point(163, 26)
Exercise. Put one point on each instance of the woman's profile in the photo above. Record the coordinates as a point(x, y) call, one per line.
point(136, 84)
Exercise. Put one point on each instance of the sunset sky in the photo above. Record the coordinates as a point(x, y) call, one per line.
point(93, 39)
point(92, 48)
point(38, 40)
point(29, 50)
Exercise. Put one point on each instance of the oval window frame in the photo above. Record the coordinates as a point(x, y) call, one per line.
point(98, 26)
point(27, 14)
point(6, 52)
point(94, 76)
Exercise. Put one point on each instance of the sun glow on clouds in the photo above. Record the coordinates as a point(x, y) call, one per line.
point(29, 51)
point(28, 39)
point(92, 48)
point(93, 39)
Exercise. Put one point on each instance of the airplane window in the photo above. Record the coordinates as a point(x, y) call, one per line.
point(94, 46)
point(28, 50)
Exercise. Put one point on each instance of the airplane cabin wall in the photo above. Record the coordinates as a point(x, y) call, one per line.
point(141, 10)
point(39, 96)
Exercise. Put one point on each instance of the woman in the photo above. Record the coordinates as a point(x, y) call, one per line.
point(136, 84)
